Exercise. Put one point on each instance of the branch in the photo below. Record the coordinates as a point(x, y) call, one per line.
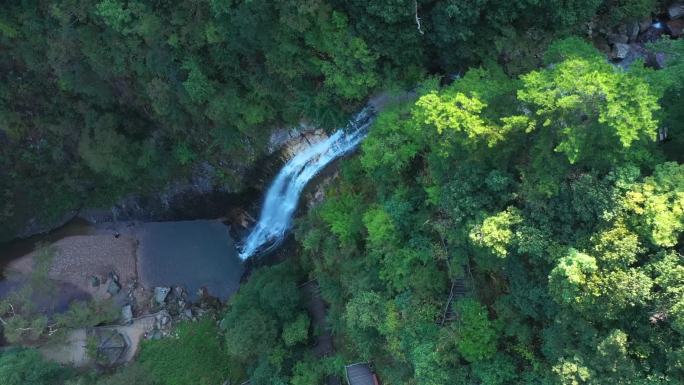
point(415, 2)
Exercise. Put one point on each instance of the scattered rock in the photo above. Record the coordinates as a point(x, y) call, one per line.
point(179, 292)
point(127, 314)
point(114, 288)
point(155, 335)
point(187, 313)
point(160, 294)
point(675, 11)
point(162, 320)
point(620, 51)
point(650, 35)
point(633, 30)
point(675, 27)
point(636, 52)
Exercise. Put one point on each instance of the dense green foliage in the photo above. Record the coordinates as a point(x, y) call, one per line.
point(267, 328)
point(24, 321)
point(100, 98)
point(194, 356)
point(27, 367)
point(546, 197)
point(521, 225)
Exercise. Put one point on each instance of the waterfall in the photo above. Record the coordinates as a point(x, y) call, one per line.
point(282, 196)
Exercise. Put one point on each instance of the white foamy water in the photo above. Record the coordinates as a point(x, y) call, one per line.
point(283, 195)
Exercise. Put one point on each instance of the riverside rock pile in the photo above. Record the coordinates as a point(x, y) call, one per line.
point(626, 42)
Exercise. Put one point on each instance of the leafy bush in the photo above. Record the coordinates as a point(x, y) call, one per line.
point(27, 367)
point(195, 356)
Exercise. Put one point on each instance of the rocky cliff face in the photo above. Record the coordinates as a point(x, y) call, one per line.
point(197, 196)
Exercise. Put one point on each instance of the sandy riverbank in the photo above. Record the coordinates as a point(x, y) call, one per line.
point(77, 259)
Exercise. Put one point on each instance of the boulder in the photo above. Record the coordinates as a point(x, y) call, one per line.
point(645, 24)
point(127, 314)
point(620, 51)
point(675, 11)
point(155, 335)
point(114, 277)
point(113, 288)
point(632, 30)
point(675, 27)
point(636, 52)
point(94, 281)
point(160, 294)
point(656, 60)
point(179, 292)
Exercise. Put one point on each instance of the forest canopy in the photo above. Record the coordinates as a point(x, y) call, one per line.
point(518, 221)
point(544, 199)
point(103, 98)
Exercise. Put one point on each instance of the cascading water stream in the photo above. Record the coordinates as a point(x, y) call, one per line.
point(283, 195)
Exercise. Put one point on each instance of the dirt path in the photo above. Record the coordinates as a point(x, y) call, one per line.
point(73, 351)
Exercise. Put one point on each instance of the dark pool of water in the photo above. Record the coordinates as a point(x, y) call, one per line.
point(192, 254)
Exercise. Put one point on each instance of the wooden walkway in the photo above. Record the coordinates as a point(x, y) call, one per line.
point(458, 290)
point(316, 307)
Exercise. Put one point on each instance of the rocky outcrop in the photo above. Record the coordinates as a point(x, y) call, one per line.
point(627, 42)
point(113, 288)
point(127, 314)
point(675, 27)
point(160, 294)
point(195, 196)
point(284, 136)
point(675, 11)
point(620, 51)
